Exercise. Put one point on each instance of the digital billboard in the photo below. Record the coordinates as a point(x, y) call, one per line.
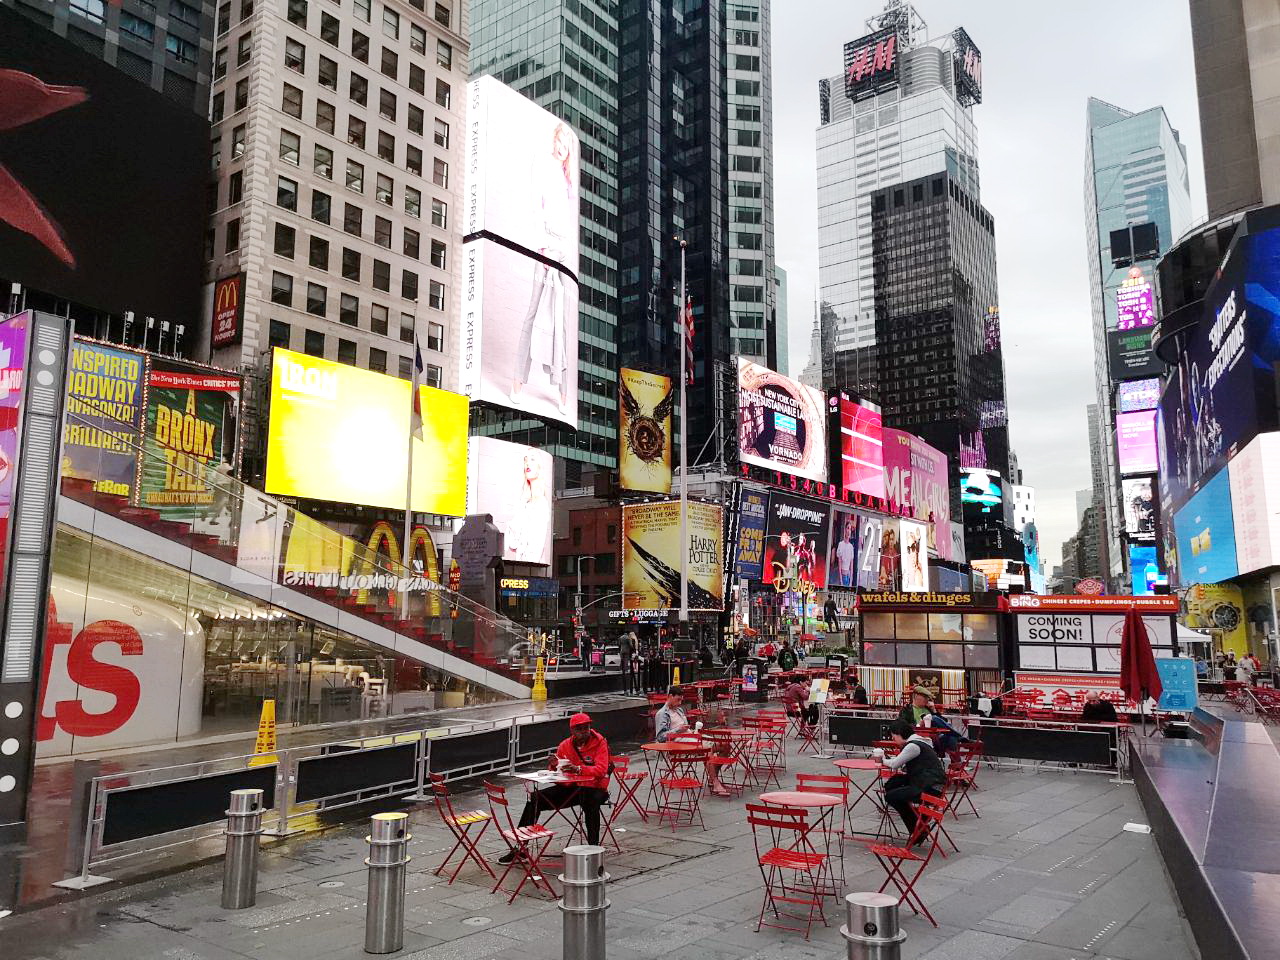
point(1144, 573)
point(651, 556)
point(520, 333)
point(1255, 502)
point(860, 446)
point(781, 423)
point(917, 480)
point(1206, 534)
point(1129, 354)
point(1138, 395)
point(842, 563)
point(340, 433)
point(102, 435)
point(871, 531)
point(1138, 500)
point(753, 517)
point(522, 173)
point(645, 401)
point(1135, 302)
point(513, 483)
point(915, 556)
point(1136, 441)
point(795, 553)
point(871, 64)
point(89, 154)
point(982, 490)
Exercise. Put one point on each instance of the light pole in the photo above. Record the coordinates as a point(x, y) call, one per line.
point(577, 597)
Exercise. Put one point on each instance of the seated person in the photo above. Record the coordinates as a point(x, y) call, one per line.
point(858, 693)
point(795, 696)
point(670, 718)
point(922, 712)
point(1097, 710)
point(587, 755)
point(918, 770)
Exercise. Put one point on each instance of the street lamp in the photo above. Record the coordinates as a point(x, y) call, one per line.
point(577, 597)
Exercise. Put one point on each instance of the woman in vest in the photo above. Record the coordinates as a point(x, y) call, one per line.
point(917, 770)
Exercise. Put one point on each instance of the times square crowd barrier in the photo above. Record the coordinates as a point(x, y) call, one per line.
point(164, 808)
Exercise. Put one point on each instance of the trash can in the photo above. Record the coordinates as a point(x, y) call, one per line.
point(752, 670)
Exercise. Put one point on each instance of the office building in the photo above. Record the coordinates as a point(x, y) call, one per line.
point(1137, 203)
point(782, 328)
point(1024, 505)
point(337, 157)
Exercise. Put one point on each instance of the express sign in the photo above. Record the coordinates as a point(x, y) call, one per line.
point(871, 64)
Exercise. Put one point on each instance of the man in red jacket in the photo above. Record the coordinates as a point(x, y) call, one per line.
point(584, 755)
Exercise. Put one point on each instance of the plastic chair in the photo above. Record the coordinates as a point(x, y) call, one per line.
point(460, 825)
point(794, 874)
point(527, 845)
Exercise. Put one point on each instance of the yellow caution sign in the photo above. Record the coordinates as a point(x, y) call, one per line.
point(675, 677)
point(265, 745)
point(539, 681)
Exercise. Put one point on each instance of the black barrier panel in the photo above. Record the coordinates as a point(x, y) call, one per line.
point(164, 807)
point(1060, 746)
point(339, 774)
point(858, 731)
point(543, 736)
point(617, 726)
point(469, 750)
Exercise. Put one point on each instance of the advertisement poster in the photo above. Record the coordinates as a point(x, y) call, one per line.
point(226, 324)
point(782, 424)
point(915, 556)
point(795, 544)
point(1135, 302)
point(1206, 534)
point(1255, 503)
point(870, 534)
point(982, 491)
point(520, 333)
point(890, 557)
point(651, 556)
point(1136, 441)
point(340, 433)
point(861, 447)
point(1030, 534)
point(1219, 608)
point(185, 467)
point(13, 362)
point(1143, 570)
point(916, 478)
point(752, 519)
point(645, 401)
point(1130, 356)
point(513, 483)
point(1139, 504)
point(842, 565)
point(102, 436)
point(1138, 395)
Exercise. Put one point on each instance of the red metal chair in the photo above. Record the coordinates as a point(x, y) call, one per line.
point(725, 760)
point(837, 787)
point(771, 749)
point(903, 865)
point(941, 804)
point(794, 874)
point(629, 782)
point(685, 785)
point(961, 775)
point(527, 845)
point(460, 825)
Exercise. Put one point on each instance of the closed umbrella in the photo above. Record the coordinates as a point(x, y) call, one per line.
point(1139, 678)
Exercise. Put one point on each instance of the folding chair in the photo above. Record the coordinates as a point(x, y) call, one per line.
point(897, 861)
point(629, 782)
point(684, 783)
point(724, 760)
point(771, 751)
point(460, 825)
point(528, 845)
point(792, 871)
point(837, 787)
point(941, 804)
point(959, 783)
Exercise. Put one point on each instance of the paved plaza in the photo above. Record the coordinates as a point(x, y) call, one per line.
point(1047, 873)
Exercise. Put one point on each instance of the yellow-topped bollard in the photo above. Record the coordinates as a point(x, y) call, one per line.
point(539, 680)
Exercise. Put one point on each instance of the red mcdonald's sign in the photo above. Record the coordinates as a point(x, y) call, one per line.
point(227, 324)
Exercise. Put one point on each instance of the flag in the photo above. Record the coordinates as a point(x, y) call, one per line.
point(415, 422)
point(688, 342)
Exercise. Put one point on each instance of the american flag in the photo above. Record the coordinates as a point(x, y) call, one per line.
point(418, 382)
point(688, 342)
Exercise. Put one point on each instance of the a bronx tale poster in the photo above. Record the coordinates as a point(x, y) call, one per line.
point(644, 434)
point(651, 556)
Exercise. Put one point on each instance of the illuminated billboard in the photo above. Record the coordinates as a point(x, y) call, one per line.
point(1136, 441)
point(1255, 503)
point(522, 173)
point(1206, 535)
point(915, 556)
point(1138, 395)
point(982, 489)
point(917, 481)
point(859, 446)
point(226, 323)
point(651, 556)
point(102, 436)
point(753, 515)
point(520, 333)
point(513, 483)
point(1135, 302)
point(340, 433)
point(1130, 356)
point(795, 554)
point(1139, 508)
point(842, 561)
point(871, 64)
point(645, 401)
point(781, 423)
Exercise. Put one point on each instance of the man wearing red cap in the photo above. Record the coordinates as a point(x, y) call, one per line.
point(583, 755)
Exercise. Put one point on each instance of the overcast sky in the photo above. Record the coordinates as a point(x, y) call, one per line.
point(1041, 63)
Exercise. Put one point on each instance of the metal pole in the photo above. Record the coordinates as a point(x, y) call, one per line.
point(240, 865)
point(684, 465)
point(584, 903)
point(871, 931)
point(388, 861)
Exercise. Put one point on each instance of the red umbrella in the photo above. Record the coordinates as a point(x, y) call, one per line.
point(1139, 678)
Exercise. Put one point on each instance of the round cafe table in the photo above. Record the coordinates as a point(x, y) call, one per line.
point(659, 755)
point(864, 792)
point(823, 804)
point(739, 740)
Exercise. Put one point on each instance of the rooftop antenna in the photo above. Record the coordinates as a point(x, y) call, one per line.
point(902, 16)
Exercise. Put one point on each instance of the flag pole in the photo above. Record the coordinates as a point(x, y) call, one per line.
point(684, 464)
point(415, 429)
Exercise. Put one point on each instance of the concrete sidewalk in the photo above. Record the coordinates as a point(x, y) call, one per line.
point(1047, 873)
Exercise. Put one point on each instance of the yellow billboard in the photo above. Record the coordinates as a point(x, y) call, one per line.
point(1219, 609)
point(644, 434)
point(340, 433)
point(651, 556)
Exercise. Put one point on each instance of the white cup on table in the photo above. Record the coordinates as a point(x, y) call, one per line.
point(878, 753)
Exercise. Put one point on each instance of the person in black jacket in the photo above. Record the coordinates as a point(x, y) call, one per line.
point(917, 771)
point(1097, 710)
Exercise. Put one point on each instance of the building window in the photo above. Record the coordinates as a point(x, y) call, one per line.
point(328, 73)
point(325, 117)
point(355, 176)
point(246, 10)
point(382, 232)
point(439, 255)
point(408, 285)
point(440, 173)
point(217, 108)
point(297, 13)
point(352, 219)
point(317, 299)
point(295, 55)
point(359, 91)
point(313, 345)
point(439, 214)
point(412, 243)
point(382, 276)
point(349, 309)
point(444, 94)
point(433, 375)
point(442, 134)
point(417, 38)
point(435, 337)
point(435, 295)
point(328, 28)
point(224, 19)
point(237, 142)
point(284, 241)
point(611, 533)
point(390, 63)
point(235, 187)
point(350, 264)
point(319, 255)
point(219, 63)
point(417, 119)
point(412, 202)
point(242, 94)
point(406, 368)
point(346, 351)
point(413, 161)
point(362, 8)
point(282, 289)
point(286, 193)
point(406, 328)
point(444, 14)
point(387, 104)
point(323, 163)
point(215, 154)
point(378, 318)
point(387, 146)
point(290, 147)
point(279, 334)
point(233, 236)
point(384, 189)
point(417, 79)
point(139, 29)
point(184, 51)
point(320, 206)
point(244, 49)
point(355, 132)
point(377, 360)
point(359, 46)
point(291, 101)
point(390, 23)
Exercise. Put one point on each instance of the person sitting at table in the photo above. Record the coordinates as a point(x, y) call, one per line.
point(917, 770)
point(859, 693)
point(1097, 710)
point(795, 696)
point(921, 712)
point(670, 718)
point(585, 754)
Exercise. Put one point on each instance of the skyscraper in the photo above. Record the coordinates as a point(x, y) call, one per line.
point(1138, 196)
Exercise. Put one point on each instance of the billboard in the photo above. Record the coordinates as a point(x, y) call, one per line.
point(102, 436)
point(915, 556)
point(645, 401)
point(1255, 502)
point(520, 333)
point(982, 490)
point(13, 366)
point(917, 480)
point(80, 140)
point(842, 562)
point(967, 60)
point(1144, 571)
point(651, 556)
point(1138, 500)
point(1135, 302)
point(1129, 354)
point(871, 532)
point(340, 433)
point(753, 516)
point(781, 423)
point(1136, 441)
point(859, 446)
point(1206, 534)
point(513, 483)
point(522, 173)
point(1138, 395)
point(226, 325)
point(795, 541)
point(871, 64)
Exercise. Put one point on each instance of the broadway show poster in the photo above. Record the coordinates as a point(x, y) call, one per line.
point(871, 532)
point(752, 519)
point(184, 470)
point(890, 556)
point(651, 556)
point(104, 417)
point(842, 564)
point(644, 434)
point(782, 424)
point(795, 543)
point(915, 556)
point(917, 480)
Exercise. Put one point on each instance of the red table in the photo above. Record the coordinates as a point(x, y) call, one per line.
point(822, 803)
point(864, 793)
point(655, 754)
point(540, 779)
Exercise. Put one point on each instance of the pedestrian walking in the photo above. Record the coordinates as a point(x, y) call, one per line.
point(626, 648)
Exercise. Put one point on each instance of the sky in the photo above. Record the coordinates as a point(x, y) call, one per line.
point(1040, 65)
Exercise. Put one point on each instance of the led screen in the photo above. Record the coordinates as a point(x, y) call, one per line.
point(1135, 302)
point(1206, 535)
point(1139, 507)
point(984, 489)
point(861, 448)
point(1144, 573)
point(1138, 395)
point(651, 556)
point(513, 483)
point(917, 480)
point(781, 423)
point(753, 515)
point(915, 556)
point(1136, 441)
point(340, 433)
point(795, 555)
point(1255, 502)
point(102, 435)
point(645, 401)
point(842, 563)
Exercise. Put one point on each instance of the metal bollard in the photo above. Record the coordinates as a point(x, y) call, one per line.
point(584, 903)
point(388, 862)
point(240, 865)
point(871, 930)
